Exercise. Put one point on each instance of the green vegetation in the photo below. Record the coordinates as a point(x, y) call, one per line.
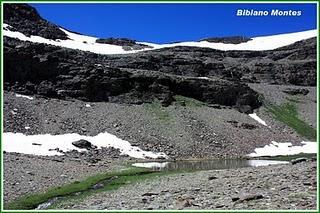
point(158, 111)
point(287, 113)
point(189, 102)
point(295, 100)
point(112, 181)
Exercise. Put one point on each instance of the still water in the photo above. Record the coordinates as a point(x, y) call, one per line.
point(206, 164)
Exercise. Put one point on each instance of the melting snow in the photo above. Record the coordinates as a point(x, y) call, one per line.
point(18, 142)
point(88, 43)
point(257, 118)
point(256, 163)
point(24, 96)
point(275, 149)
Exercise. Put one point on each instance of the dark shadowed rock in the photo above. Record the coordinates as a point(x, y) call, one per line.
point(228, 40)
point(127, 44)
point(61, 75)
point(245, 109)
point(247, 197)
point(212, 178)
point(248, 126)
point(292, 91)
point(251, 197)
point(82, 144)
point(298, 160)
point(150, 194)
point(26, 19)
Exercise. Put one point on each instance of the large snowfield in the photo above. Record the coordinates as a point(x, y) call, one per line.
point(42, 144)
point(88, 43)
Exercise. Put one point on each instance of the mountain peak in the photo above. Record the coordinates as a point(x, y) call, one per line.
point(27, 20)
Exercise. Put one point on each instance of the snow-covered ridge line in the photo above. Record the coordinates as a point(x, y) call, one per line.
point(88, 43)
point(45, 144)
point(255, 44)
point(75, 41)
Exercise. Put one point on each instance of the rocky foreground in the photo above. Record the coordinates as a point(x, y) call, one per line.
point(267, 187)
point(24, 174)
point(271, 187)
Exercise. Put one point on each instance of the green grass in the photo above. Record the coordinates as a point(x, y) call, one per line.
point(124, 177)
point(158, 111)
point(287, 113)
point(295, 100)
point(189, 102)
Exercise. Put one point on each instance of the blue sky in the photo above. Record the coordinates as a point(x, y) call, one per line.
point(164, 23)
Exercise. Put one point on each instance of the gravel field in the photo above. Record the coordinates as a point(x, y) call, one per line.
point(270, 187)
point(181, 132)
point(25, 174)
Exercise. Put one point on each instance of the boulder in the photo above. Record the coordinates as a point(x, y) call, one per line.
point(292, 91)
point(298, 160)
point(82, 144)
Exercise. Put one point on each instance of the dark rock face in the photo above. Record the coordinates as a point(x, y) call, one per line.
point(212, 76)
point(291, 91)
point(117, 41)
point(228, 40)
point(25, 19)
point(127, 44)
point(294, 64)
point(63, 73)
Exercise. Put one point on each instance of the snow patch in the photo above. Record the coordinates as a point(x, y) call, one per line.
point(256, 163)
point(257, 118)
point(204, 78)
point(275, 149)
point(88, 43)
point(18, 142)
point(24, 96)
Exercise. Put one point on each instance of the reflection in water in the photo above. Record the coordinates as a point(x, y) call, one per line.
point(206, 164)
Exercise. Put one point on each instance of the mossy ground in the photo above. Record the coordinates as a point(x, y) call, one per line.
point(158, 111)
point(188, 102)
point(287, 113)
point(129, 176)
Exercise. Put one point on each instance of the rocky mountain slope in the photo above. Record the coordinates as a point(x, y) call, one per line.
point(125, 89)
point(211, 76)
point(214, 98)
